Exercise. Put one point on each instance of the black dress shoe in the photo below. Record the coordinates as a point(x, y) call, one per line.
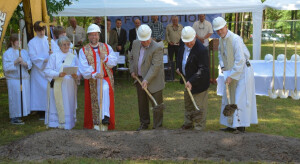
point(105, 121)
point(142, 127)
point(241, 129)
point(187, 127)
point(228, 129)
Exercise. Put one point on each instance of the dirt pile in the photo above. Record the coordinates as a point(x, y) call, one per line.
point(154, 144)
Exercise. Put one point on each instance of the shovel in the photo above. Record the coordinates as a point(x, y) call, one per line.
point(229, 108)
point(150, 96)
point(189, 91)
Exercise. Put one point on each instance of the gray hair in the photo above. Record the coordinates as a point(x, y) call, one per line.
point(63, 39)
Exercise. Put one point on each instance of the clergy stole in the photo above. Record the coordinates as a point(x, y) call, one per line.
point(228, 62)
point(91, 112)
point(58, 92)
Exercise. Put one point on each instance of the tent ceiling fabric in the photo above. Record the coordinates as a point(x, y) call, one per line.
point(158, 7)
point(170, 7)
point(283, 4)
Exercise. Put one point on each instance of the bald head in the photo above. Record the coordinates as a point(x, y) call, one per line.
point(73, 22)
point(137, 23)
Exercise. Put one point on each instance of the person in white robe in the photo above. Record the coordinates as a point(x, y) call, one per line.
point(58, 32)
point(63, 88)
point(239, 76)
point(91, 74)
point(11, 67)
point(39, 54)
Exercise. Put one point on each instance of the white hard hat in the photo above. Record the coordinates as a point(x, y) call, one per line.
point(93, 28)
point(188, 34)
point(293, 57)
point(218, 23)
point(144, 32)
point(280, 57)
point(268, 57)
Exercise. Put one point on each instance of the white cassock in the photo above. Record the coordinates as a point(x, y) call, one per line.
point(68, 89)
point(70, 50)
point(245, 92)
point(12, 74)
point(86, 71)
point(39, 52)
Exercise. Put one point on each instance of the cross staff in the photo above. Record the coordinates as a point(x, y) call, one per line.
point(47, 23)
point(73, 48)
point(21, 87)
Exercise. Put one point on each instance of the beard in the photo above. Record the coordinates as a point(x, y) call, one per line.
point(93, 41)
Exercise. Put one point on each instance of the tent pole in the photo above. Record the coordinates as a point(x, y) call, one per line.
point(105, 22)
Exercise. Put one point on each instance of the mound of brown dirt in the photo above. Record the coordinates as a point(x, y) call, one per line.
point(154, 144)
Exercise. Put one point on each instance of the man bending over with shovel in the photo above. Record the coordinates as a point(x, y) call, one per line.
point(146, 65)
point(192, 62)
point(234, 56)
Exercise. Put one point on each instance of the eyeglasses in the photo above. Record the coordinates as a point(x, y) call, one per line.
point(66, 44)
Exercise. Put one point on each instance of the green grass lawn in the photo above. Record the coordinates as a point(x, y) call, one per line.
point(278, 117)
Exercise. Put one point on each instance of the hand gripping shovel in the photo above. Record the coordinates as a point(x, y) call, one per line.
point(229, 108)
point(150, 96)
point(189, 91)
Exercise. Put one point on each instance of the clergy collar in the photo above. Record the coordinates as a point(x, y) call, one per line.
point(96, 46)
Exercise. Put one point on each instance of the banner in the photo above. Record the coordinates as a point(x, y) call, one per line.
point(184, 20)
point(7, 9)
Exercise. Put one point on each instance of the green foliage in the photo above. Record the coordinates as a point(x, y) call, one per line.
point(54, 6)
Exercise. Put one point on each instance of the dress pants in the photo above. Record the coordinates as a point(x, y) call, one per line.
point(143, 104)
point(172, 49)
point(192, 116)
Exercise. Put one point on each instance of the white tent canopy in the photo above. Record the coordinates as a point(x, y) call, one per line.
point(170, 7)
point(283, 4)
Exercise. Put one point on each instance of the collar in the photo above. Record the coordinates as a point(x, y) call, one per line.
point(228, 34)
point(145, 47)
point(187, 48)
point(201, 22)
point(95, 46)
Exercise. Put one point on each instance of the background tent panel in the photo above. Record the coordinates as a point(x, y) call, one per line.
point(158, 7)
point(283, 4)
point(170, 7)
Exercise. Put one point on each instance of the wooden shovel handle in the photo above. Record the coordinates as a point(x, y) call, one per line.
point(227, 94)
point(189, 91)
point(146, 90)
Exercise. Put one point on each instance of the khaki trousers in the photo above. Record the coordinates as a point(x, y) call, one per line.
point(192, 116)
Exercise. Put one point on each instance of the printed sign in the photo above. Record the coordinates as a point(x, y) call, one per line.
point(2, 22)
point(184, 20)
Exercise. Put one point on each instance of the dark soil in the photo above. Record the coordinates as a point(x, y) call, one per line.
point(153, 145)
